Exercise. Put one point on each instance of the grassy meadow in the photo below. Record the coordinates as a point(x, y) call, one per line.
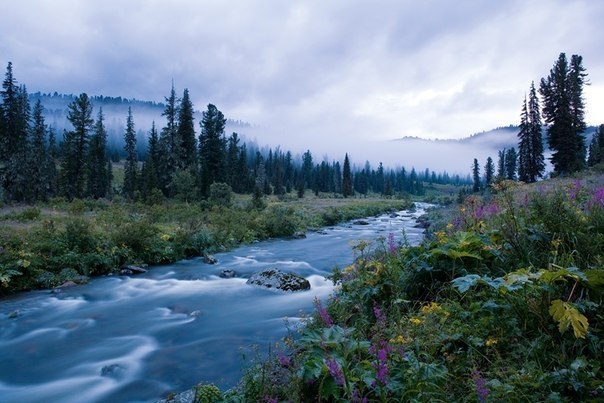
point(48, 244)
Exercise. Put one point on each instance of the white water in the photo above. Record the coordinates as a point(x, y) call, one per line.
point(136, 339)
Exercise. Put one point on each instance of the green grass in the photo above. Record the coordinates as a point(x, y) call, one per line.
point(47, 244)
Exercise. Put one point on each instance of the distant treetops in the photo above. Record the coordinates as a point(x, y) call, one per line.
point(562, 111)
point(177, 162)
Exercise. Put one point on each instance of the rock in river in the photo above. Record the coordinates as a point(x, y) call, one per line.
point(278, 280)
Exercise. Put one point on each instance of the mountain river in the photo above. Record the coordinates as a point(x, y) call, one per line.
point(138, 338)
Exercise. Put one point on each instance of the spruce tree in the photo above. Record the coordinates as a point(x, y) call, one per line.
point(168, 145)
point(150, 175)
point(130, 167)
point(524, 145)
point(596, 147)
point(347, 187)
point(536, 166)
point(98, 180)
point(511, 162)
point(14, 125)
point(38, 185)
point(563, 112)
point(489, 171)
point(212, 149)
point(476, 176)
point(75, 147)
point(186, 158)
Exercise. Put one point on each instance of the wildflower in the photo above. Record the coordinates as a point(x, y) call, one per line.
point(491, 341)
point(268, 399)
point(391, 244)
point(335, 371)
point(597, 200)
point(482, 391)
point(283, 360)
point(431, 307)
point(416, 321)
point(382, 350)
point(450, 226)
point(379, 316)
point(325, 317)
point(400, 339)
point(165, 237)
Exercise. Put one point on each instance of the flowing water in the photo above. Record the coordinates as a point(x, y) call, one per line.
point(135, 339)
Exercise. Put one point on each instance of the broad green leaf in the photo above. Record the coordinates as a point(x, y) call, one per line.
point(567, 315)
point(464, 283)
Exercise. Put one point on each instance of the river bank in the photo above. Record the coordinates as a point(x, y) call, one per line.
point(47, 245)
point(137, 338)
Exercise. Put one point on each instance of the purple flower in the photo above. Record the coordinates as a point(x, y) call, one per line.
point(482, 391)
point(391, 244)
point(356, 398)
point(379, 316)
point(268, 399)
point(336, 372)
point(327, 321)
point(382, 351)
point(597, 200)
point(283, 360)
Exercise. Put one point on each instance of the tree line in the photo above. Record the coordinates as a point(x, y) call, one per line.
point(178, 162)
point(560, 114)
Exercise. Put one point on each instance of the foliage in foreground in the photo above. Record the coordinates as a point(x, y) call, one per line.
point(46, 245)
point(503, 304)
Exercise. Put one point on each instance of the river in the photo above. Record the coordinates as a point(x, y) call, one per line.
point(136, 339)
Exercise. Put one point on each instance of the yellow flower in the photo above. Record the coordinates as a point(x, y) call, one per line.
point(165, 237)
point(431, 307)
point(400, 339)
point(490, 342)
point(449, 226)
point(416, 321)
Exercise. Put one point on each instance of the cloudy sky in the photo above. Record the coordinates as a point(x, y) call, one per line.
point(312, 74)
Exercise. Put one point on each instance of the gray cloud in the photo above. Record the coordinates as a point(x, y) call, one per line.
point(312, 74)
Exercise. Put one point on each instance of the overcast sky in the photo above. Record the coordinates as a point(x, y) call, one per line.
point(310, 74)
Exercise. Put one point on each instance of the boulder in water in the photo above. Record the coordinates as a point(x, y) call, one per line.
point(275, 279)
point(227, 273)
point(130, 269)
point(209, 259)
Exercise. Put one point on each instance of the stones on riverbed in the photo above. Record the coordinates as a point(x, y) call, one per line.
point(361, 222)
point(130, 269)
point(115, 371)
point(276, 279)
point(299, 235)
point(422, 222)
point(209, 259)
point(227, 273)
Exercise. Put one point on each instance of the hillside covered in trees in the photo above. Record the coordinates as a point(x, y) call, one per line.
point(180, 159)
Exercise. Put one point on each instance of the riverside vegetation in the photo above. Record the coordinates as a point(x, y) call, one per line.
point(51, 243)
point(501, 302)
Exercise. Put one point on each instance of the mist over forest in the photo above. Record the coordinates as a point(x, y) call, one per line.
point(452, 156)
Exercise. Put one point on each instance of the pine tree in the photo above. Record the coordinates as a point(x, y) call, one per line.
point(75, 147)
point(186, 150)
point(14, 125)
point(37, 158)
point(564, 110)
point(511, 161)
point(524, 144)
point(98, 181)
point(150, 175)
point(130, 167)
point(212, 149)
point(489, 171)
point(476, 176)
point(596, 147)
point(168, 145)
point(536, 166)
point(501, 165)
point(347, 188)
